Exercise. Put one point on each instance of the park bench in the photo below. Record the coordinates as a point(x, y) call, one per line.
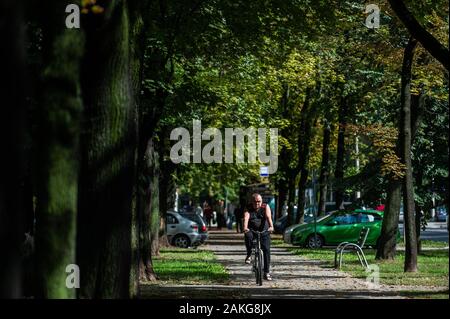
point(347, 247)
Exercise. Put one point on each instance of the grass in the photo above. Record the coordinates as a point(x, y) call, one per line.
point(188, 266)
point(433, 265)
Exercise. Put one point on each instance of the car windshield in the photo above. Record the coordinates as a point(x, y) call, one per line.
point(319, 219)
point(194, 217)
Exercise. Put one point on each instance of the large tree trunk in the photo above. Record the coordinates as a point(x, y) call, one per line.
point(304, 139)
point(13, 140)
point(149, 211)
point(284, 158)
point(405, 142)
point(387, 242)
point(428, 41)
point(417, 108)
point(339, 170)
point(108, 155)
point(58, 150)
point(167, 189)
point(324, 169)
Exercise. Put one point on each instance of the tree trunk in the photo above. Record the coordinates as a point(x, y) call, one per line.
point(417, 108)
point(155, 216)
point(388, 238)
point(339, 170)
point(405, 142)
point(324, 169)
point(166, 190)
point(149, 211)
point(304, 140)
point(291, 197)
point(58, 150)
point(387, 243)
point(284, 157)
point(13, 139)
point(108, 155)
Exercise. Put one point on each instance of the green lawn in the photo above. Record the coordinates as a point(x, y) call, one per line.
point(188, 266)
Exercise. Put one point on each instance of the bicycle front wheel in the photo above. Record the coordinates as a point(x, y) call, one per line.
point(259, 267)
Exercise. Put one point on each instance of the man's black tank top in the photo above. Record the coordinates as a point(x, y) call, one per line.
point(258, 220)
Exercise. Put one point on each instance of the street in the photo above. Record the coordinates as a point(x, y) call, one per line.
point(436, 231)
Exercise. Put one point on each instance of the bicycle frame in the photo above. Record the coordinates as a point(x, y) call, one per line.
point(258, 257)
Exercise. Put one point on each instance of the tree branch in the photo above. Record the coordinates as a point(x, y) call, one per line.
point(430, 43)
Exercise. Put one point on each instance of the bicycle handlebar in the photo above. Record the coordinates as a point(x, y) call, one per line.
point(259, 232)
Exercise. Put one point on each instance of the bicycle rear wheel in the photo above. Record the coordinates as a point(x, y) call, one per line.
point(259, 267)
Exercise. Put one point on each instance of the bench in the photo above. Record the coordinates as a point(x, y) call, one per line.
point(347, 247)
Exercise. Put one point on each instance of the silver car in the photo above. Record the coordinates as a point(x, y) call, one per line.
point(181, 231)
point(287, 233)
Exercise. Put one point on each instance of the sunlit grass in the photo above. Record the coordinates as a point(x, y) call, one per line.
point(188, 266)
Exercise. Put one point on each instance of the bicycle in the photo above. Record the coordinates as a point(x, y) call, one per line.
point(258, 256)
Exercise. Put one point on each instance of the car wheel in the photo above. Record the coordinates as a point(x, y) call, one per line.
point(311, 241)
point(181, 241)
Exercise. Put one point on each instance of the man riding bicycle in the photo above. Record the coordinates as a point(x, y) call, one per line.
point(258, 217)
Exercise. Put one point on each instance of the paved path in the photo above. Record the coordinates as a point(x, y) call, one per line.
point(294, 277)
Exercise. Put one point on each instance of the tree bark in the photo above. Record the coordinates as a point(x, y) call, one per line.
point(13, 138)
point(306, 123)
point(324, 169)
point(149, 211)
point(339, 170)
point(388, 239)
point(108, 155)
point(405, 140)
point(58, 153)
point(284, 157)
point(430, 43)
point(291, 197)
point(417, 108)
point(387, 243)
point(167, 189)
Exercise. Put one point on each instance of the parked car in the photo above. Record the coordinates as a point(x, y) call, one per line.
point(281, 224)
point(203, 230)
point(181, 231)
point(338, 227)
point(287, 236)
point(441, 214)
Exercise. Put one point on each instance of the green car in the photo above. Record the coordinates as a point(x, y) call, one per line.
point(336, 228)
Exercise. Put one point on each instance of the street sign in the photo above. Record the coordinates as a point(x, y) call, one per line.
point(263, 171)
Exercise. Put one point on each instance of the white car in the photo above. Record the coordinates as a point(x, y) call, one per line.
point(181, 231)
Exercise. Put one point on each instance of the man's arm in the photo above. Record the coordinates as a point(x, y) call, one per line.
point(269, 218)
point(246, 218)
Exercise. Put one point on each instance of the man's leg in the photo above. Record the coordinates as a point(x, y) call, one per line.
point(265, 246)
